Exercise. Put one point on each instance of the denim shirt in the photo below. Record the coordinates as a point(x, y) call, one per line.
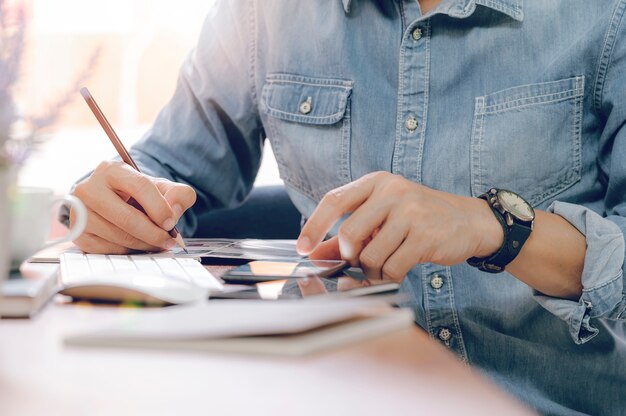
point(524, 95)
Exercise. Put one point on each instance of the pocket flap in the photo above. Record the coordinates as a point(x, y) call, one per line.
point(305, 99)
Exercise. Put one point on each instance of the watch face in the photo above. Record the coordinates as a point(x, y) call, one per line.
point(516, 205)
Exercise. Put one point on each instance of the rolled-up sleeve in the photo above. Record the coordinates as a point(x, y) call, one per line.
point(603, 295)
point(209, 135)
point(602, 279)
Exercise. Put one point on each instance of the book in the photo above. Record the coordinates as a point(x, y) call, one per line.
point(26, 291)
point(286, 328)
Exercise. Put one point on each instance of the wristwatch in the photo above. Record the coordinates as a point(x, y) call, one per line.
point(517, 218)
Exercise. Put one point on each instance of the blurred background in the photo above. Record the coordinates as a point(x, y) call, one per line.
point(130, 50)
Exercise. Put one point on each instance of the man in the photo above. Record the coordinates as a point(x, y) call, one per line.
point(402, 113)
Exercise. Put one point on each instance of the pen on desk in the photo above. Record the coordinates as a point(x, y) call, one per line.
point(121, 150)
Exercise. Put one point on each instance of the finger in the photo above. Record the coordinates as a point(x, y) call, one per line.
point(359, 227)
point(90, 243)
point(331, 208)
point(387, 240)
point(400, 262)
point(142, 189)
point(327, 250)
point(108, 205)
point(110, 232)
point(347, 283)
point(311, 286)
point(179, 196)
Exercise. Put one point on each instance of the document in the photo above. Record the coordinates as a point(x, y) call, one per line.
point(289, 327)
point(246, 249)
point(198, 248)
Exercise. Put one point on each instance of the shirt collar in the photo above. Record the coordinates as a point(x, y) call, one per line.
point(464, 8)
point(512, 8)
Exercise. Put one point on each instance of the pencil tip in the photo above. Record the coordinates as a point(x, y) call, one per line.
point(181, 242)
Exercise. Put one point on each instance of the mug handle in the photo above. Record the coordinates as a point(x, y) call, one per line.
point(80, 224)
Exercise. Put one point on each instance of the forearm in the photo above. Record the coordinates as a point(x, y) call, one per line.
point(208, 135)
point(552, 259)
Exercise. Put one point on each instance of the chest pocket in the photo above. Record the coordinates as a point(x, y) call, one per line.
point(528, 139)
point(308, 123)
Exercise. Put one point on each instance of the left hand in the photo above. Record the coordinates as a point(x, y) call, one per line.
point(396, 224)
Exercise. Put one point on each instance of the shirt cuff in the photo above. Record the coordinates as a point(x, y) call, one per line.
point(602, 277)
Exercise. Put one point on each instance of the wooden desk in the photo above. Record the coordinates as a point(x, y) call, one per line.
point(404, 373)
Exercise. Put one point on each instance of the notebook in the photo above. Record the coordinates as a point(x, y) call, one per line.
point(287, 328)
point(26, 292)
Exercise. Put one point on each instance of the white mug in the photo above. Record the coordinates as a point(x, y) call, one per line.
point(31, 213)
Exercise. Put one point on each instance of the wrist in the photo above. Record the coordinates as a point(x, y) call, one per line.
point(488, 232)
point(485, 229)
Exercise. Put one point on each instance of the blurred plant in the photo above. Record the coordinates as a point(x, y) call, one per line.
point(16, 144)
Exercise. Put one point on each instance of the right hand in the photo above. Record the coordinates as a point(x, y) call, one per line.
point(327, 250)
point(114, 226)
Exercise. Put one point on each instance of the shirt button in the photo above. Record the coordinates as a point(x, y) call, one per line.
point(417, 34)
point(445, 334)
point(436, 282)
point(305, 106)
point(411, 124)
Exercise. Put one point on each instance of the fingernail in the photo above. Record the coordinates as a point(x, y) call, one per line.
point(178, 210)
point(169, 243)
point(345, 249)
point(169, 224)
point(303, 246)
point(304, 281)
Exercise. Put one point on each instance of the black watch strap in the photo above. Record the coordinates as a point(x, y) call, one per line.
point(514, 238)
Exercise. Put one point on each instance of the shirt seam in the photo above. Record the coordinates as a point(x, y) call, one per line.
point(252, 50)
point(496, 108)
point(422, 140)
point(578, 326)
point(603, 285)
point(282, 78)
point(607, 53)
point(302, 118)
point(455, 316)
point(395, 158)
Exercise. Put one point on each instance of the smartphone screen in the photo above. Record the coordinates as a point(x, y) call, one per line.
point(264, 271)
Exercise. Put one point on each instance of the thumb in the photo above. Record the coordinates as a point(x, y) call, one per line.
point(327, 250)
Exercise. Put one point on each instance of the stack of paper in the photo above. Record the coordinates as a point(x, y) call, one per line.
point(290, 327)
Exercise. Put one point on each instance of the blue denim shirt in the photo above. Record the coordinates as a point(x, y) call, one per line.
point(528, 96)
